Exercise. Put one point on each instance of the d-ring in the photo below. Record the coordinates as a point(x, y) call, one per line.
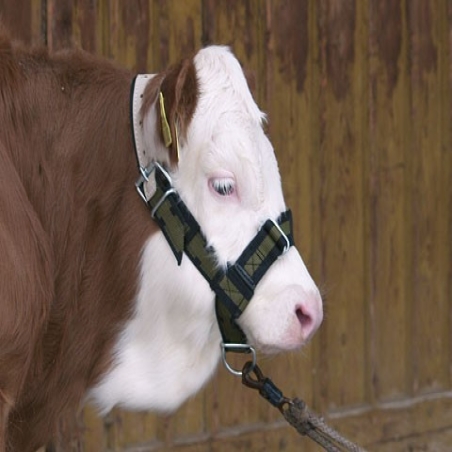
point(237, 348)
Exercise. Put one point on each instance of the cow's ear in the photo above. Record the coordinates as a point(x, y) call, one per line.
point(174, 95)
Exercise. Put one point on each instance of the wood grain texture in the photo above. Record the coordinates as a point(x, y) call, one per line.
point(25, 19)
point(430, 170)
point(388, 228)
point(343, 112)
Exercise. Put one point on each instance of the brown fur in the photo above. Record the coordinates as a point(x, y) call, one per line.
point(71, 230)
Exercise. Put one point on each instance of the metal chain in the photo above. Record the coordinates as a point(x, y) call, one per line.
point(296, 412)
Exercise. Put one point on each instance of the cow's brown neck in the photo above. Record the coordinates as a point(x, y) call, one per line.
point(65, 144)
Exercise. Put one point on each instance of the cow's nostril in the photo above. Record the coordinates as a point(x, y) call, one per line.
point(304, 318)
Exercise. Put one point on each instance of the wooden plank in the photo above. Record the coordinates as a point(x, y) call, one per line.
point(59, 24)
point(124, 429)
point(179, 29)
point(343, 137)
point(388, 222)
point(290, 108)
point(448, 164)
point(94, 438)
point(233, 405)
point(409, 419)
point(293, 127)
point(241, 26)
point(434, 442)
point(190, 421)
point(23, 19)
point(431, 173)
point(125, 27)
point(85, 29)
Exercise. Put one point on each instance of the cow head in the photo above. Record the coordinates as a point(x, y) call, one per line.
point(226, 172)
point(224, 169)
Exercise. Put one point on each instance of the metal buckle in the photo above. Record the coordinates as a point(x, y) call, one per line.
point(237, 348)
point(167, 192)
point(145, 174)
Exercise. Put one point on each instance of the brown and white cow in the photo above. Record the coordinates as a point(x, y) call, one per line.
point(93, 303)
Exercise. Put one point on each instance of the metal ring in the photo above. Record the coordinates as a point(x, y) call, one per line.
point(238, 348)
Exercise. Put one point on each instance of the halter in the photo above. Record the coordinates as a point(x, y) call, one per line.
point(234, 285)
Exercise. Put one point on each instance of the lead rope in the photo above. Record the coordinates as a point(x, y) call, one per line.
point(296, 412)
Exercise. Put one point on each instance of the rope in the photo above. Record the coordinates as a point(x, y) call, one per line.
point(306, 423)
point(297, 413)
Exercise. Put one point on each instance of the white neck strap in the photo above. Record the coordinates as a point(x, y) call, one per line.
point(143, 158)
point(137, 94)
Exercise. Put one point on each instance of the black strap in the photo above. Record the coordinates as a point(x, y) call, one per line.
point(234, 287)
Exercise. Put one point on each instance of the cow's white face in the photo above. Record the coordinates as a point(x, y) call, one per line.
point(228, 177)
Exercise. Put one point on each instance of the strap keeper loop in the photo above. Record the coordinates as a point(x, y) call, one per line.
point(282, 235)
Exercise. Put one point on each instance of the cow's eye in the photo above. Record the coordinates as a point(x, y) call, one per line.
point(224, 187)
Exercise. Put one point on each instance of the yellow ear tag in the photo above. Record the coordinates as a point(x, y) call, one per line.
point(166, 131)
point(177, 142)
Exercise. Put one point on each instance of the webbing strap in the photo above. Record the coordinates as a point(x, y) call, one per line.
point(234, 287)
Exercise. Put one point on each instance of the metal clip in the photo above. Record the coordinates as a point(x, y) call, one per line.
point(267, 389)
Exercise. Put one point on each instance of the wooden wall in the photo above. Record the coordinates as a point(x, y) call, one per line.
point(359, 100)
